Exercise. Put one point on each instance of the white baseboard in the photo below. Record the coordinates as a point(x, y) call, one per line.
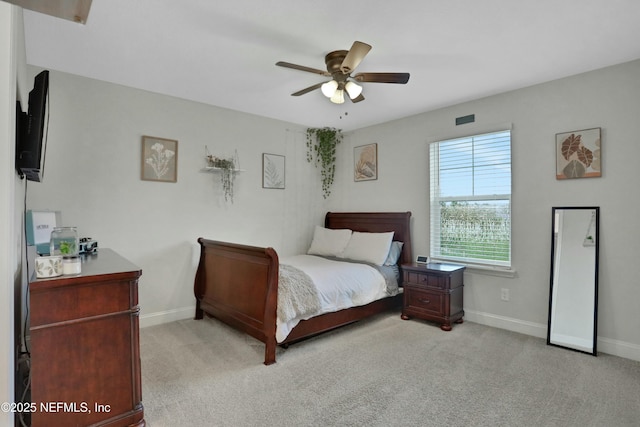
point(604, 345)
point(167, 316)
point(515, 325)
point(619, 348)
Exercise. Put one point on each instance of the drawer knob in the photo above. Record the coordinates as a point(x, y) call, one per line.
point(424, 300)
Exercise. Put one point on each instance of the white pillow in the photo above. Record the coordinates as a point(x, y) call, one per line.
point(329, 242)
point(368, 247)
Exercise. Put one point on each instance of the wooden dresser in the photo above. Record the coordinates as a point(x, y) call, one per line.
point(85, 354)
point(433, 292)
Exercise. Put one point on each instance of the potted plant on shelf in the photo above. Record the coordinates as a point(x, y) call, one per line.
point(228, 169)
point(321, 143)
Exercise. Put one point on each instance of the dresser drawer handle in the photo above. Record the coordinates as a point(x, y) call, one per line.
point(424, 300)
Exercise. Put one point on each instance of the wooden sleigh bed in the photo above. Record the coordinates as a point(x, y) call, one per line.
point(238, 284)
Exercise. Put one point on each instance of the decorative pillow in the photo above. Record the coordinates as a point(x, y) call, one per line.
point(394, 253)
point(368, 247)
point(329, 242)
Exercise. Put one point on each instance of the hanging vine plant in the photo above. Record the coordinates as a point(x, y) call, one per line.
point(228, 170)
point(321, 144)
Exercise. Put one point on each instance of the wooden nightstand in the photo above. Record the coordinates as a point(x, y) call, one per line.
point(433, 292)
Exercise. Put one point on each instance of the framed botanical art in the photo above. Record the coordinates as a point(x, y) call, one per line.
point(159, 159)
point(578, 154)
point(272, 171)
point(365, 166)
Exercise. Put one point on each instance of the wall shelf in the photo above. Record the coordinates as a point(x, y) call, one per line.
point(214, 169)
point(227, 176)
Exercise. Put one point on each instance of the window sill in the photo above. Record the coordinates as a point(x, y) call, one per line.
point(492, 271)
point(483, 269)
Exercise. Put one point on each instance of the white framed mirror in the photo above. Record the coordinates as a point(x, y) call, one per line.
point(573, 294)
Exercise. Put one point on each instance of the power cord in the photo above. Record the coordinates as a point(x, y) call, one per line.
point(27, 386)
point(26, 259)
point(25, 355)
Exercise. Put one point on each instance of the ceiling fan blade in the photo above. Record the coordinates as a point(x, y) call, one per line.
point(307, 90)
point(400, 78)
point(302, 68)
point(357, 99)
point(356, 54)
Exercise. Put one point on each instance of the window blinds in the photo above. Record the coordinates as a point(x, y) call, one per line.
point(470, 198)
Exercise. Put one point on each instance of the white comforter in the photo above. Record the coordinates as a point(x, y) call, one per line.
point(340, 285)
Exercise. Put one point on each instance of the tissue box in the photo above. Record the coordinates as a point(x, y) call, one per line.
point(48, 266)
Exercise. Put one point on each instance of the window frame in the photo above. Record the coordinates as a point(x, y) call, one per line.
point(435, 201)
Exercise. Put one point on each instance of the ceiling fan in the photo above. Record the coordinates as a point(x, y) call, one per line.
point(340, 64)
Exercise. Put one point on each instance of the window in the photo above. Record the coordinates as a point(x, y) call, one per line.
point(470, 193)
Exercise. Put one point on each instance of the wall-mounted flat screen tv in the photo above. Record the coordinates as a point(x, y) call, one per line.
point(31, 130)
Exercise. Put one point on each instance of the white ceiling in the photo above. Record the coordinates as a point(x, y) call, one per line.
point(224, 52)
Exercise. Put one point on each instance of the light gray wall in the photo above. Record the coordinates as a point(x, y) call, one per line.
point(607, 98)
point(7, 85)
point(12, 79)
point(93, 177)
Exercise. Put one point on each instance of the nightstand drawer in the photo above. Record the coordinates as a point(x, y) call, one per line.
point(423, 301)
point(430, 280)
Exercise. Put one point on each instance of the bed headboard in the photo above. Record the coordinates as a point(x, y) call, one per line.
point(376, 222)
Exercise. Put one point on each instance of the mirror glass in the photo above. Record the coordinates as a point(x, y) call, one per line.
point(573, 296)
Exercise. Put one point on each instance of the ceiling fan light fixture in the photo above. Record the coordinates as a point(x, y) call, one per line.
point(354, 90)
point(340, 65)
point(329, 88)
point(338, 97)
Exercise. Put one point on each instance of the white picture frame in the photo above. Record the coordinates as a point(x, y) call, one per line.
point(273, 171)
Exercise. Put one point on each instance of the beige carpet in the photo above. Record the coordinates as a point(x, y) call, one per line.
point(381, 372)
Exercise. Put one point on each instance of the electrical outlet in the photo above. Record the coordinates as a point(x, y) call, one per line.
point(504, 294)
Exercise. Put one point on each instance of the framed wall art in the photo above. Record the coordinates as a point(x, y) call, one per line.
point(578, 154)
point(159, 159)
point(365, 166)
point(272, 171)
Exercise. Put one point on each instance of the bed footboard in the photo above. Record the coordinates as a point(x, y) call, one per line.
point(238, 285)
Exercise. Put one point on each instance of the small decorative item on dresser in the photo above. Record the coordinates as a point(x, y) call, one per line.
point(71, 266)
point(48, 266)
point(64, 242)
point(433, 292)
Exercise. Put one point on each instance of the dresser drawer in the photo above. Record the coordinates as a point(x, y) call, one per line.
point(60, 304)
point(424, 279)
point(423, 301)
